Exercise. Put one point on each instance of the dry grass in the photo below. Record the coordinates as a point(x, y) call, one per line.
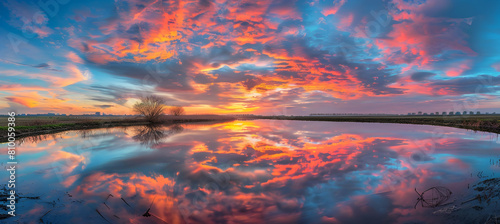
point(48, 120)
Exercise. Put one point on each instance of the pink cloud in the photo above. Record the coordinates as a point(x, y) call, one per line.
point(417, 40)
point(456, 69)
point(496, 66)
point(333, 9)
point(72, 56)
point(345, 22)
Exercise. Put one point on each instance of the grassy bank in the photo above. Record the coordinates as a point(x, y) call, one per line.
point(489, 123)
point(30, 126)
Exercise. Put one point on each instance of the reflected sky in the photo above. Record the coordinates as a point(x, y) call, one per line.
point(259, 171)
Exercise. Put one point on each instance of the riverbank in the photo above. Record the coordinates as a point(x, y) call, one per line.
point(31, 126)
point(488, 123)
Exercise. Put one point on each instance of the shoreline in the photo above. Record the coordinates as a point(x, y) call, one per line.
point(35, 130)
point(486, 123)
point(476, 123)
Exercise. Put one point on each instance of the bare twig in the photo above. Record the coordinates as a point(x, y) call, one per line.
point(101, 215)
point(126, 202)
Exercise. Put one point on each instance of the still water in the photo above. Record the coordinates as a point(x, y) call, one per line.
point(259, 171)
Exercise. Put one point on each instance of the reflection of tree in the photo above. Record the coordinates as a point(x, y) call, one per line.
point(38, 138)
point(99, 132)
point(175, 129)
point(153, 134)
point(86, 133)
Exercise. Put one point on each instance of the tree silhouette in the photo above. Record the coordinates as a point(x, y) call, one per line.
point(177, 110)
point(152, 107)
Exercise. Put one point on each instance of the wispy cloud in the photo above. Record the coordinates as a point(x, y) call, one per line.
point(44, 66)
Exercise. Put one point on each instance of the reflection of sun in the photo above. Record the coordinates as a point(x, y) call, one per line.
point(239, 126)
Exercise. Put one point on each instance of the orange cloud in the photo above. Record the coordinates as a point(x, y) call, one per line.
point(19, 87)
point(33, 99)
point(24, 100)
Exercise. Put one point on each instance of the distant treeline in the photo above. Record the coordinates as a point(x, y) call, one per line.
point(352, 114)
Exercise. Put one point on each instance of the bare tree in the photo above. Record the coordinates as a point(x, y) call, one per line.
point(177, 110)
point(152, 107)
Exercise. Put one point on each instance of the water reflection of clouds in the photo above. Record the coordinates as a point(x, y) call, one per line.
point(247, 171)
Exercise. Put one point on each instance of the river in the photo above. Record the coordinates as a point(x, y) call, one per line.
point(255, 171)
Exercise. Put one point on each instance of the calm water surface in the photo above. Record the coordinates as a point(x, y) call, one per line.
point(260, 171)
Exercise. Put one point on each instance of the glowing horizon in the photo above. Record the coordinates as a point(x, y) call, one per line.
point(260, 57)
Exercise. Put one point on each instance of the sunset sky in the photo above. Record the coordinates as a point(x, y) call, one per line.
point(246, 56)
